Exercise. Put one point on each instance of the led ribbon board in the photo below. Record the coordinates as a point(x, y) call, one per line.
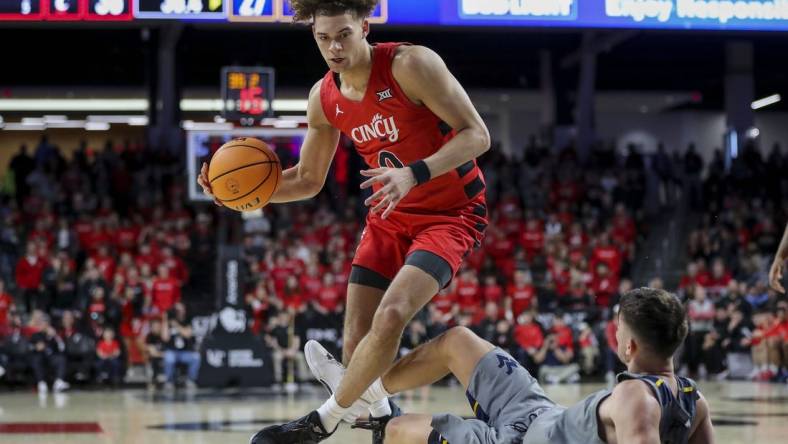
point(749, 15)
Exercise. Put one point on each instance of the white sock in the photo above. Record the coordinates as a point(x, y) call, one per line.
point(377, 392)
point(331, 414)
point(380, 408)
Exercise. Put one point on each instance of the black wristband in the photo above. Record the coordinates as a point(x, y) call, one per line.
point(420, 171)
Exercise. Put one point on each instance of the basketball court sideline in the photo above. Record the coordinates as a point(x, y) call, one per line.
point(743, 412)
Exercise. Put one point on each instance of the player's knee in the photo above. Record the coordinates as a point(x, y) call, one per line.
point(390, 320)
point(396, 430)
point(458, 338)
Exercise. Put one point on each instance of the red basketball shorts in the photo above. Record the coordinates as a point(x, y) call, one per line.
point(435, 243)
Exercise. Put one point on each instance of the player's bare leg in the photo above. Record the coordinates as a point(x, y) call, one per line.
point(362, 302)
point(458, 351)
point(410, 290)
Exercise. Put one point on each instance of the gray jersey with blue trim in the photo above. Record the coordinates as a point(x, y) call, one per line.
point(579, 423)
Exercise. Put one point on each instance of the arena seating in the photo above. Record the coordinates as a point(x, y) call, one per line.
point(105, 239)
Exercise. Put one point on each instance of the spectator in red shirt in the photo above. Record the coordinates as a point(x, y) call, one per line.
point(83, 227)
point(260, 307)
point(165, 290)
point(340, 267)
point(576, 238)
point(624, 223)
point(108, 353)
point(532, 239)
point(529, 336)
point(105, 262)
point(97, 236)
point(127, 236)
point(703, 276)
point(603, 285)
point(690, 277)
point(329, 300)
point(560, 278)
point(6, 305)
point(41, 233)
point(444, 304)
point(718, 280)
point(468, 292)
point(28, 276)
point(311, 282)
point(607, 253)
point(279, 272)
point(178, 269)
point(520, 295)
point(292, 296)
point(498, 246)
point(294, 262)
point(557, 354)
point(147, 256)
point(125, 264)
point(492, 291)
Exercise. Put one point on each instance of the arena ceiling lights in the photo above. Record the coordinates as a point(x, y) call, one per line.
point(129, 105)
point(766, 101)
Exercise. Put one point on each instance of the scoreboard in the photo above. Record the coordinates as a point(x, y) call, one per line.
point(247, 93)
point(66, 10)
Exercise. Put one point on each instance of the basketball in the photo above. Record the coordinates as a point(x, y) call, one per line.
point(244, 174)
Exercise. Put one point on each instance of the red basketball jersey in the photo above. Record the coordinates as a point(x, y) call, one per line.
point(389, 130)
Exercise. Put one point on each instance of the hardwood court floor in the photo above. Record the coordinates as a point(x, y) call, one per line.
point(743, 413)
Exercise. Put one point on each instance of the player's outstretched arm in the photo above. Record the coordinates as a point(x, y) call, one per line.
point(703, 432)
point(635, 413)
point(776, 272)
point(425, 79)
point(307, 178)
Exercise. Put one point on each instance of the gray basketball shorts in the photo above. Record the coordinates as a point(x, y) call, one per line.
point(505, 399)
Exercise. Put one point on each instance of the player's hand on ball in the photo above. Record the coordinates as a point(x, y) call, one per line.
point(776, 274)
point(397, 182)
point(202, 179)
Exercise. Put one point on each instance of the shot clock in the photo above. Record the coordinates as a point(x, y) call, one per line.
point(247, 93)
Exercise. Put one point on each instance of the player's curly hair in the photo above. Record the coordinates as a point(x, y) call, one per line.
point(306, 10)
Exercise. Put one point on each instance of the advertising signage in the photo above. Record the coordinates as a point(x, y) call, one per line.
point(753, 15)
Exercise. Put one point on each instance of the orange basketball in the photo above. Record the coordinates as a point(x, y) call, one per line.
point(244, 173)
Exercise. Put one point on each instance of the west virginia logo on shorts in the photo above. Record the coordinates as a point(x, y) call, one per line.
point(510, 363)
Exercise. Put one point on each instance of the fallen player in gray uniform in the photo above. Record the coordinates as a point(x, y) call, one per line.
point(649, 404)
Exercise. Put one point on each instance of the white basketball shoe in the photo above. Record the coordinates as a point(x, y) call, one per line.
point(330, 372)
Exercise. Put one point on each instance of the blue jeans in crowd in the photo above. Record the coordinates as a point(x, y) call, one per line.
point(174, 357)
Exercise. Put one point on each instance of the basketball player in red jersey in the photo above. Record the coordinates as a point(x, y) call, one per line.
point(418, 131)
